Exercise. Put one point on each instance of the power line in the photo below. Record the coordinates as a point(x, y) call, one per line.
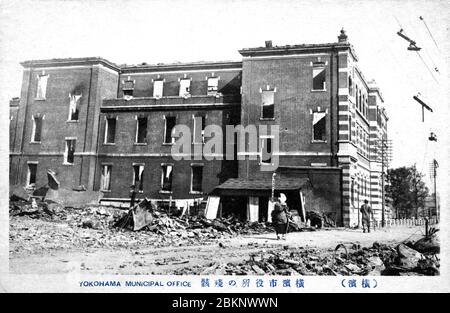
point(429, 32)
point(424, 63)
point(417, 50)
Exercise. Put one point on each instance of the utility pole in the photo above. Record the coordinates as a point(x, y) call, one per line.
point(435, 166)
point(386, 149)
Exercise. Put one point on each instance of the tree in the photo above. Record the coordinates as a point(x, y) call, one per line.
point(407, 191)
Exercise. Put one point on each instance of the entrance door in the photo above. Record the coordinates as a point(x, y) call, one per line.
point(263, 207)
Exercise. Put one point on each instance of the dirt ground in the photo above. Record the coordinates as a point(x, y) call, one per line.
point(38, 247)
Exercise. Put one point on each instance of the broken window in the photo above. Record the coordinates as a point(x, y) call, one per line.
point(110, 130)
point(73, 107)
point(266, 150)
point(268, 106)
point(197, 178)
point(37, 129)
point(128, 88)
point(70, 151)
point(32, 169)
point(141, 130)
point(319, 126)
point(213, 84)
point(166, 179)
point(185, 87)
point(105, 183)
point(41, 86)
point(199, 129)
point(138, 176)
point(158, 86)
point(170, 124)
point(319, 76)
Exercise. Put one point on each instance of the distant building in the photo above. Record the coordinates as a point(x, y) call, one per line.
point(107, 127)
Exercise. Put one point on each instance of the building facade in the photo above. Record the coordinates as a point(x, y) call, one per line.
point(107, 127)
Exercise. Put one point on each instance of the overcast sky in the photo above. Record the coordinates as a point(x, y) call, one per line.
point(167, 31)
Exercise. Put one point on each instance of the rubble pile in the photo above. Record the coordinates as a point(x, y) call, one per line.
point(198, 226)
point(319, 220)
point(380, 259)
point(44, 225)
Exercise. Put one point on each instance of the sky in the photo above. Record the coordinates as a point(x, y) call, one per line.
point(132, 32)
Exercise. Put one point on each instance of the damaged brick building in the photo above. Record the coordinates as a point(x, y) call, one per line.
point(106, 127)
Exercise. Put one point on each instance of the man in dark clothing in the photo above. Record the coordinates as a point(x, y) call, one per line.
point(132, 195)
point(367, 213)
point(280, 217)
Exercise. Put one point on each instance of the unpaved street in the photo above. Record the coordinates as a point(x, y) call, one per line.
point(61, 249)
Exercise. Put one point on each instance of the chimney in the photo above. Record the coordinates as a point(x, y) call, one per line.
point(342, 37)
point(268, 43)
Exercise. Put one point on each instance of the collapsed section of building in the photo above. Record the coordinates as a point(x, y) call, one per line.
point(108, 127)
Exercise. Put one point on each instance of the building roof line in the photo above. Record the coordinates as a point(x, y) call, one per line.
point(70, 61)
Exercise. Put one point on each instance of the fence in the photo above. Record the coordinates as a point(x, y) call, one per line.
point(406, 222)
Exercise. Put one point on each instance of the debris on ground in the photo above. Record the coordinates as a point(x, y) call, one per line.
point(320, 220)
point(350, 259)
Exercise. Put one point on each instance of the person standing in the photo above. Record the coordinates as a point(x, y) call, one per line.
point(280, 217)
point(367, 213)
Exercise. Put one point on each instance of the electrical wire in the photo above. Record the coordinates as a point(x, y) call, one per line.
point(424, 63)
point(429, 32)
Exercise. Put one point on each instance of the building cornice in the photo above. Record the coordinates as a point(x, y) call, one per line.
point(89, 61)
point(298, 49)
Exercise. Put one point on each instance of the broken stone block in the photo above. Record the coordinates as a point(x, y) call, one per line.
point(408, 258)
point(74, 199)
point(258, 270)
point(353, 268)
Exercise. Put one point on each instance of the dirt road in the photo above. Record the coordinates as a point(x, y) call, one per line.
point(142, 258)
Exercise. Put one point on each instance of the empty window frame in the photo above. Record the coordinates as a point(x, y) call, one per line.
point(37, 129)
point(128, 88)
point(199, 128)
point(170, 124)
point(41, 86)
point(185, 87)
point(69, 153)
point(158, 88)
point(319, 126)
point(350, 86)
point(213, 85)
point(31, 176)
point(141, 130)
point(319, 76)
point(267, 104)
point(73, 107)
point(166, 177)
point(138, 176)
point(266, 150)
point(105, 181)
point(196, 178)
point(110, 129)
